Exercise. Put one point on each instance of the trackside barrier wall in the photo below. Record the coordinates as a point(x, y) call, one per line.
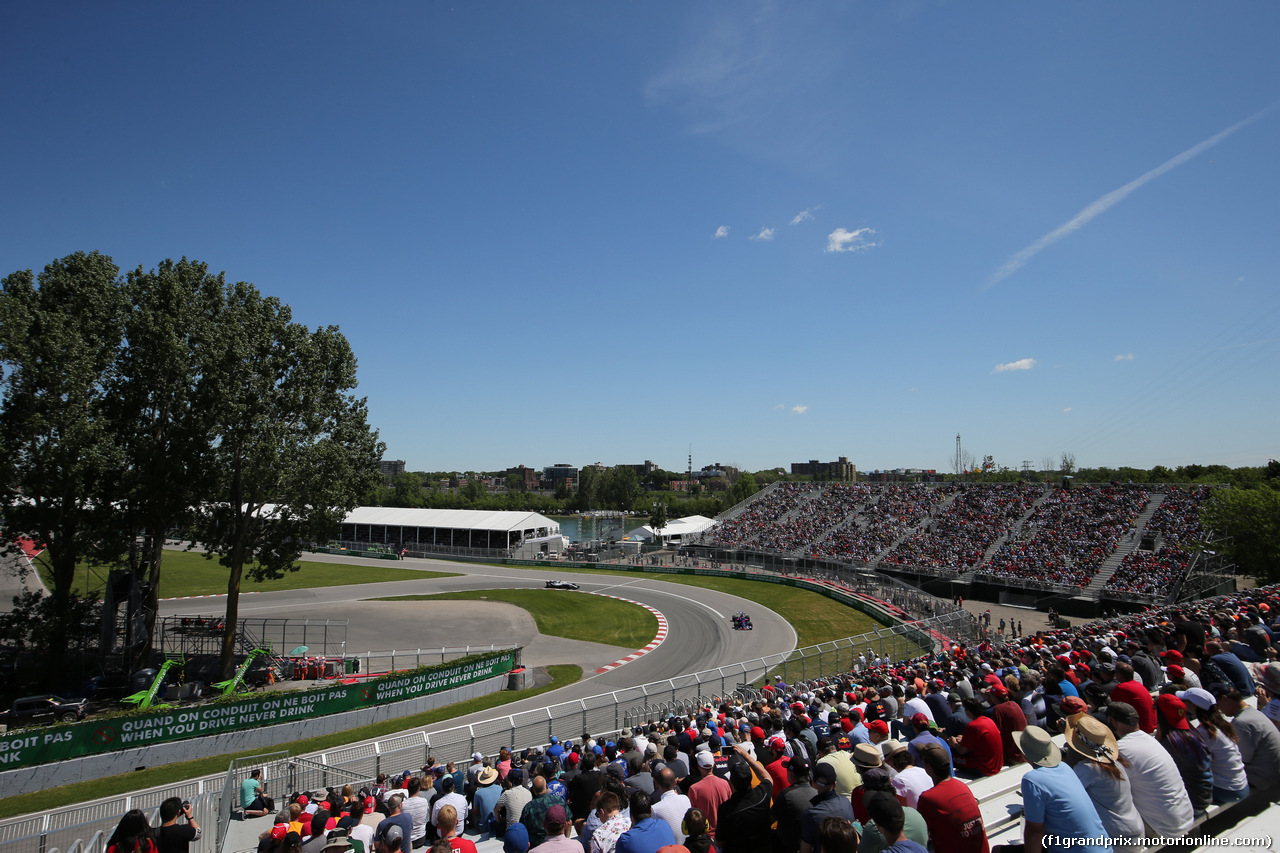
point(34, 746)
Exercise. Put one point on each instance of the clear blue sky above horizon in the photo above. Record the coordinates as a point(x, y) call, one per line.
point(608, 232)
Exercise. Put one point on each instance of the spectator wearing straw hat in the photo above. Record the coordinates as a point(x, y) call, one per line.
point(1053, 800)
point(1095, 757)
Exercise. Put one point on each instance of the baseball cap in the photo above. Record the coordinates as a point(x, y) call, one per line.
point(919, 719)
point(516, 840)
point(825, 773)
point(706, 760)
point(878, 726)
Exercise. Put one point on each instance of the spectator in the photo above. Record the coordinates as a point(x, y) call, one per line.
point(837, 835)
point(447, 824)
point(1054, 802)
point(979, 750)
point(170, 837)
point(826, 803)
point(253, 796)
point(612, 823)
point(910, 781)
point(392, 834)
point(1095, 757)
point(555, 829)
point(416, 807)
point(1188, 751)
point(670, 805)
point(697, 835)
point(847, 777)
point(790, 807)
point(949, 809)
point(647, 833)
point(1131, 692)
point(710, 791)
point(1259, 743)
point(746, 818)
point(1230, 784)
point(1158, 791)
point(534, 817)
point(511, 802)
point(484, 799)
point(887, 828)
point(132, 834)
point(1009, 719)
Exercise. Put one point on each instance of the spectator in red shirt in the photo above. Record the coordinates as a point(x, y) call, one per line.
point(1130, 691)
point(949, 808)
point(979, 749)
point(1009, 719)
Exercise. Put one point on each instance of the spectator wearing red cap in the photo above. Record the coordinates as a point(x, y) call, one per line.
point(980, 749)
point(774, 755)
point(1009, 719)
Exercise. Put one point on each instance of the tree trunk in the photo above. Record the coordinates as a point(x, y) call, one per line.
point(227, 665)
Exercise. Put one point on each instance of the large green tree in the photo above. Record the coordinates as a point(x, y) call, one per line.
point(1250, 518)
point(293, 452)
point(161, 410)
point(59, 341)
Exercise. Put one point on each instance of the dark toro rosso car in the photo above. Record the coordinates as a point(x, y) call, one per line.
point(561, 585)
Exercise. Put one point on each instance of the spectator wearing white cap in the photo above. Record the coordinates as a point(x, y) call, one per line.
point(710, 790)
point(1230, 783)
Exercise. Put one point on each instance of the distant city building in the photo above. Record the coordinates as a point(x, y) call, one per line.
point(391, 468)
point(842, 469)
point(642, 470)
point(528, 477)
point(552, 476)
point(716, 470)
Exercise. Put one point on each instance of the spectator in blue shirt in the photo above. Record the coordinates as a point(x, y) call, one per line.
point(1054, 800)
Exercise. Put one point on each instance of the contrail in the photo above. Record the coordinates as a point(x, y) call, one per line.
point(1019, 260)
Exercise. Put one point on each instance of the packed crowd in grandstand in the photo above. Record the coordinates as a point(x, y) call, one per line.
point(1015, 533)
point(1130, 728)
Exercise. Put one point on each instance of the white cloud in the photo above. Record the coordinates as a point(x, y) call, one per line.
point(766, 234)
point(1020, 364)
point(841, 240)
point(799, 409)
point(1106, 202)
point(722, 231)
point(1067, 409)
point(1128, 356)
point(803, 216)
point(780, 406)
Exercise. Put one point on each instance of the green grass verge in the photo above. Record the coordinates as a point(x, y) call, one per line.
point(189, 573)
point(816, 618)
point(559, 613)
point(80, 792)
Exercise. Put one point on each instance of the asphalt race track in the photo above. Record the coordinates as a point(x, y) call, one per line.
point(699, 635)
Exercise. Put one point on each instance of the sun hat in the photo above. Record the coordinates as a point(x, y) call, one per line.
point(891, 748)
point(1038, 747)
point(866, 755)
point(1093, 740)
point(1269, 678)
point(487, 776)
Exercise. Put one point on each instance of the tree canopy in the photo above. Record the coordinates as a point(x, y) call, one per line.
point(168, 399)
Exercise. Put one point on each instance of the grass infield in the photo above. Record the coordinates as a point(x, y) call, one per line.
point(81, 792)
point(573, 616)
point(189, 573)
point(816, 618)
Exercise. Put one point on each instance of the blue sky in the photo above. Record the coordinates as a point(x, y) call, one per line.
point(571, 232)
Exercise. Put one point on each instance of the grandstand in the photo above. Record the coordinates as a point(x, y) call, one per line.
point(1081, 550)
